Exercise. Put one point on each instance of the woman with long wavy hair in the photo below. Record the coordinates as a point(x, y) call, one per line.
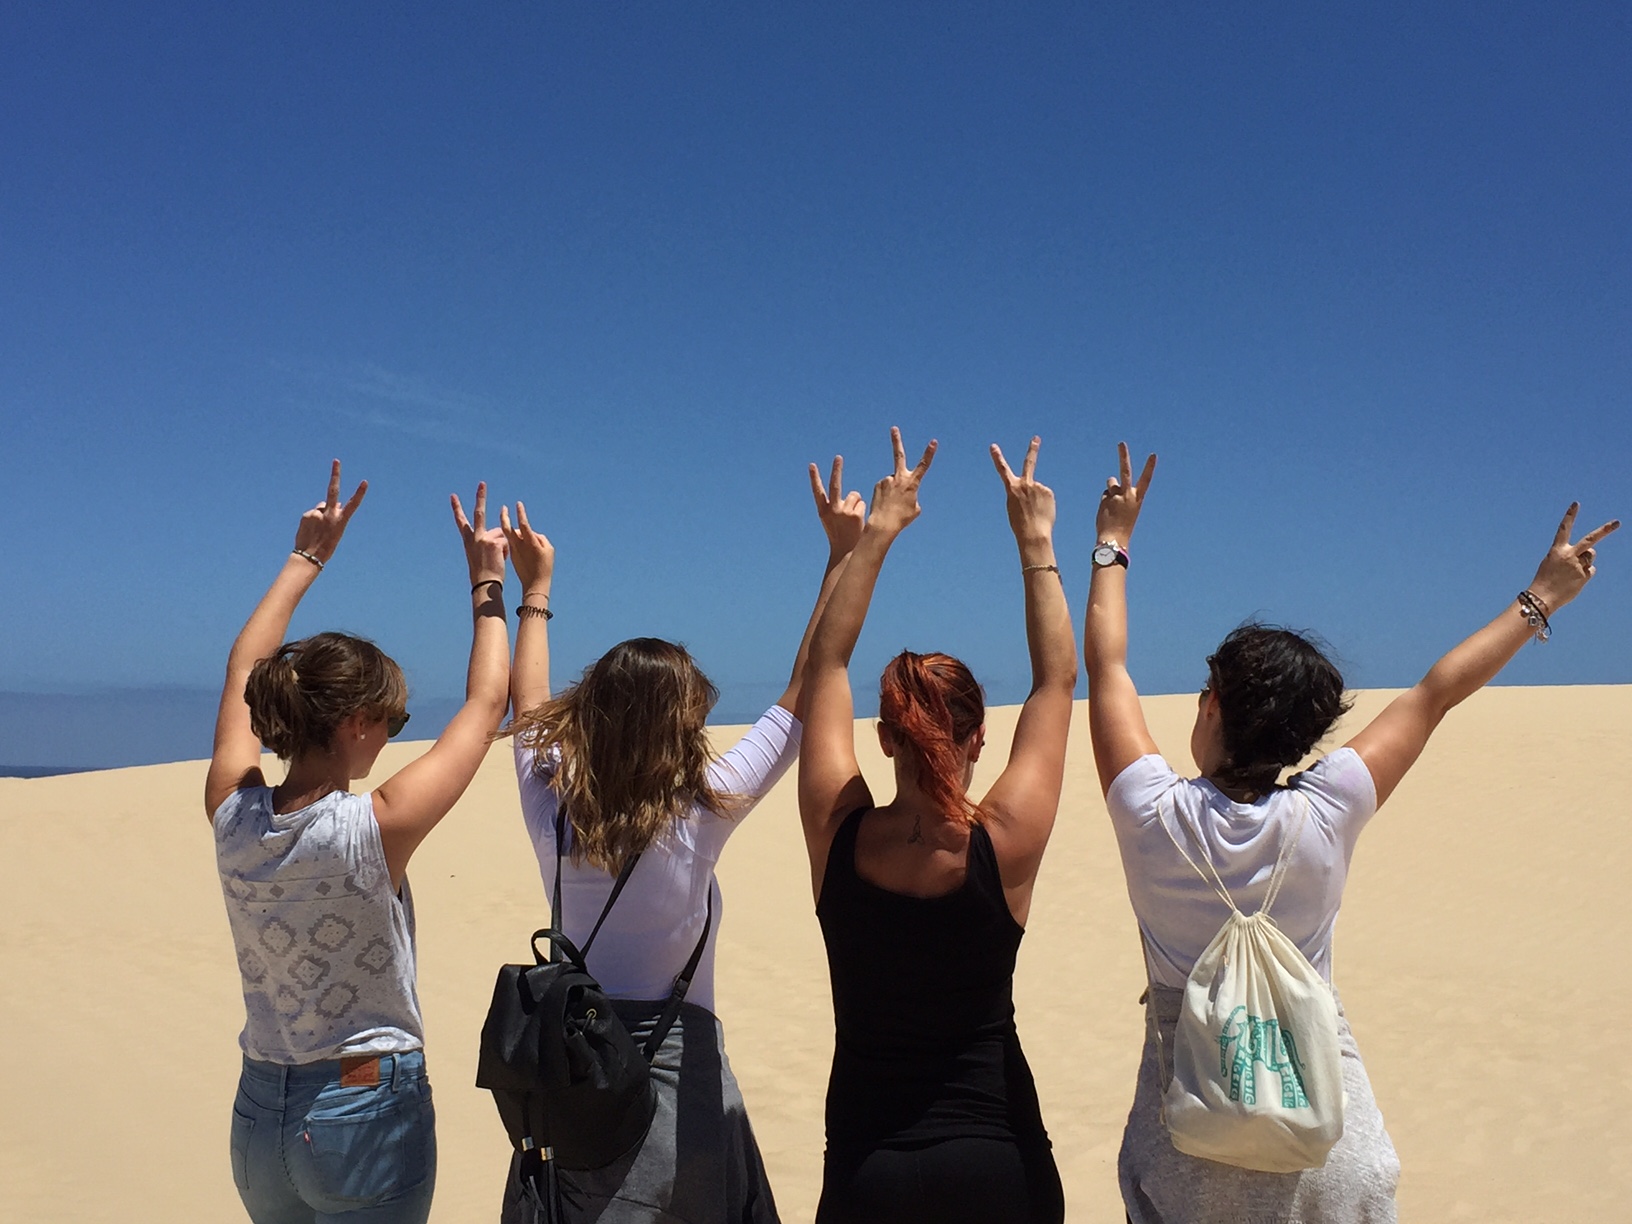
point(619, 765)
point(932, 1112)
point(333, 1118)
point(1270, 697)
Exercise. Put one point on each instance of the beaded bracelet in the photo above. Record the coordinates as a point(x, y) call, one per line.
point(301, 552)
point(526, 610)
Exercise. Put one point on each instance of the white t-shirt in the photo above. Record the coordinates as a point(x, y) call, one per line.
point(651, 931)
point(1179, 912)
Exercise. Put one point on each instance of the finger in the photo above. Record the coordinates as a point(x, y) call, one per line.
point(1144, 477)
point(355, 501)
point(1592, 537)
point(853, 503)
point(900, 451)
point(1028, 470)
point(1125, 463)
point(459, 513)
point(835, 482)
point(923, 464)
point(1111, 486)
point(333, 499)
point(1562, 536)
point(521, 518)
point(1001, 464)
point(504, 522)
point(816, 490)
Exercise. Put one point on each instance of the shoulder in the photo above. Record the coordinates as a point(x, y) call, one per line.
point(1341, 783)
point(1135, 795)
point(236, 807)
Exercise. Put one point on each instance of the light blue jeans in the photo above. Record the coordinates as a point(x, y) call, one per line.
point(304, 1149)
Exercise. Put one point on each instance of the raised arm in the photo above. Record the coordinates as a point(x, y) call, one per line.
point(1023, 800)
point(534, 559)
point(1116, 723)
point(842, 516)
point(410, 803)
point(1391, 742)
point(830, 781)
point(235, 759)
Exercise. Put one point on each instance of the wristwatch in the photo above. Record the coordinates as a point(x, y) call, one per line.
point(1109, 552)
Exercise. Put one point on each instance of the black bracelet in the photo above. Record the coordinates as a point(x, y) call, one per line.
point(476, 586)
point(1534, 610)
point(525, 610)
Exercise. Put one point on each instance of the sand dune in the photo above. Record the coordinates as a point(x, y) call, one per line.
point(1486, 902)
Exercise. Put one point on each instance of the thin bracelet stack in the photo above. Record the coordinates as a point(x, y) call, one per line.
point(525, 610)
point(1534, 609)
point(301, 552)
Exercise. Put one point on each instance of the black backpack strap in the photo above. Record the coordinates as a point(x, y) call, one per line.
point(682, 983)
point(555, 897)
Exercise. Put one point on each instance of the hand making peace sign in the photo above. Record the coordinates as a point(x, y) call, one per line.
point(1119, 505)
point(321, 527)
point(1031, 505)
point(895, 498)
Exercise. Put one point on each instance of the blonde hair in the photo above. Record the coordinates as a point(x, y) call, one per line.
point(626, 748)
point(300, 694)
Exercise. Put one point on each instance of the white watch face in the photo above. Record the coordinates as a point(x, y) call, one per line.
point(1104, 554)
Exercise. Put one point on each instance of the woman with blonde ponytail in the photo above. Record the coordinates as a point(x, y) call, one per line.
point(616, 772)
point(932, 1114)
point(333, 1119)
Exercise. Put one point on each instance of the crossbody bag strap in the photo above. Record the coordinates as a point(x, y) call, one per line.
point(555, 897)
point(1277, 876)
point(682, 983)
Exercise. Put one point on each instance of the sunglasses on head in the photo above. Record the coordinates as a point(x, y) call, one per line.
point(395, 724)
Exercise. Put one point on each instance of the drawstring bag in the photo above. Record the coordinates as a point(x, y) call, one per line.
point(1257, 1075)
point(572, 1087)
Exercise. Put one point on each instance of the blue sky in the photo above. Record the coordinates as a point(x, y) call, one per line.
point(1360, 273)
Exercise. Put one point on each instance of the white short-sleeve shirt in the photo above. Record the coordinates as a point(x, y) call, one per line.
point(653, 928)
point(1179, 912)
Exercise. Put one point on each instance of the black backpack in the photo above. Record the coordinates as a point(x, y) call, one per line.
point(572, 1087)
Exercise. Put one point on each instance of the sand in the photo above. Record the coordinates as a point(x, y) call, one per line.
point(1485, 903)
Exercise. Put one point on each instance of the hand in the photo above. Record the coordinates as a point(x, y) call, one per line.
point(843, 514)
point(530, 552)
point(1119, 505)
point(322, 526)
point(484, 548)
point(895, 498)
point(1031, 505)
point(1567, 567)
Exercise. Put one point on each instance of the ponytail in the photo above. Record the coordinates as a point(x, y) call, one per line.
point(933, 705)
point(300, 694)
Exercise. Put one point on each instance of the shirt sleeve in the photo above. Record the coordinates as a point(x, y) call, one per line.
point(538, 799)
point(1133, 798)
point(760, 757)
point(1341, 792)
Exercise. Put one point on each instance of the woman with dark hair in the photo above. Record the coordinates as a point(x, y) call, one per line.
point(1271, 695)
point(618, 768)
point(932, 1113)
point(333, 1118)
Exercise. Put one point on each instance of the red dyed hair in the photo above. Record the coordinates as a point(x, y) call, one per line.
point(932, 704)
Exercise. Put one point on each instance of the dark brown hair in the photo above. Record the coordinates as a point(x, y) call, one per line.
point(932, 704)
point(1278, 696)
point(299, 695)
point(626, 748)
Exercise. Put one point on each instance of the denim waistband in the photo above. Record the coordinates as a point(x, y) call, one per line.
point(394, 1068)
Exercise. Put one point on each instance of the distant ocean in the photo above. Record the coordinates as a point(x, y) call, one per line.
point(39, 771)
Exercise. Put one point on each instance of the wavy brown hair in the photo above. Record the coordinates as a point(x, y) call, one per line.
point(626, 748)
point(932, 704)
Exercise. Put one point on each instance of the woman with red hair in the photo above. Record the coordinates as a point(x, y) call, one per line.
point(932, 1113)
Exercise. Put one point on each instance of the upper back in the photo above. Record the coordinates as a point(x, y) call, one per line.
point(1152, 808)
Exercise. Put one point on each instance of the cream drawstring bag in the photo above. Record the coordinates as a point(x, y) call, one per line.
point(1257, 1077)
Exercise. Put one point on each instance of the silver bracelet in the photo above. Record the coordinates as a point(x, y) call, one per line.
point(301, 552)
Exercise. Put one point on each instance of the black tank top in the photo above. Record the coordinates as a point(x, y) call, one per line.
point(925, 1047)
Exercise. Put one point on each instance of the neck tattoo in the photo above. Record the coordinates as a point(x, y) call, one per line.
point(917, 834)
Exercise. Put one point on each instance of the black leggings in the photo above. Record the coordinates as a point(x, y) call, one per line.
point(956, 1181)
